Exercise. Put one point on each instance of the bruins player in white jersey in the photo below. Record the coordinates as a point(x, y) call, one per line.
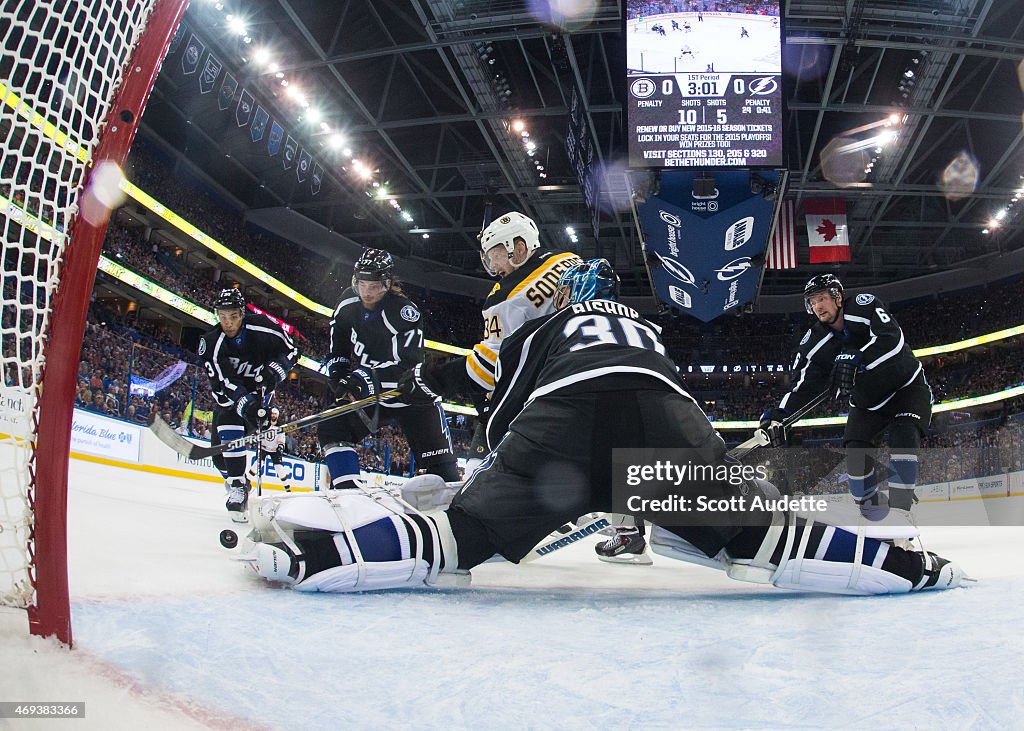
point(510, 249)
point(376, 335)
point(875, 371)
point(571, 388)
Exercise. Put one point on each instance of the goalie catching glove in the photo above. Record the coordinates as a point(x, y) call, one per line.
point(419, 384)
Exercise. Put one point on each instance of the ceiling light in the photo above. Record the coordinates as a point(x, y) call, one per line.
point(336, 141)
point(262, 56)
point(1001, 215)
point(908, 74)
point(518, 125)
point(426, 236)
point(406, 216)
point(313, 115)
point(236, 24)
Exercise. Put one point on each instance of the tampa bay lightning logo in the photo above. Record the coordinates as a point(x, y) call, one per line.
point(865, 299)
point(202, 346)
point(764, 85)
point(807, 336)
point(676, 269)
point(410, 313)
point(734, 268)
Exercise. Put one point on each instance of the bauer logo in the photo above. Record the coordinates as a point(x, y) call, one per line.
point(680, 297)
point(735, 268)
point(739, 233)
point(676, 269)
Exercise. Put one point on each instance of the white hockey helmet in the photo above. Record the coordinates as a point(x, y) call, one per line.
point(273, 564)
point(275, 412)
point(503, 231)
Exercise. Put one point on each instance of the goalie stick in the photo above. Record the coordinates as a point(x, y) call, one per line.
point(193, 452)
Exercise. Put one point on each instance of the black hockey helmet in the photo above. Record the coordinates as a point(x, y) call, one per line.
point(373, 265)
point(229, 299)
point(822, 283)
point(589, 280)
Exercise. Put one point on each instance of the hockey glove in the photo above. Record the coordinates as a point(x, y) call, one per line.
point(847, 365)
point(773, 425)
point(359, 383)
point(419, 384)
point(338, 369)
point(271, 375)
point(250, 407)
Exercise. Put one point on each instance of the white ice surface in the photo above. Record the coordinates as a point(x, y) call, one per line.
point(170, 633)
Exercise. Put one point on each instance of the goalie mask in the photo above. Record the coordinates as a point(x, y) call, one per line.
point(503, 231)
point(591, 280)
point(822, 283)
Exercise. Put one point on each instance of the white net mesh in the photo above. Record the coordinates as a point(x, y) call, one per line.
point(62, 62)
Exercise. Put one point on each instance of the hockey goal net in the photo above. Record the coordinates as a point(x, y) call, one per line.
point(74, 77)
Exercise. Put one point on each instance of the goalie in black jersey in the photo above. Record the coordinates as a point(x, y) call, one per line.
point(376, 335)
point(876, 373)
point(572, 387)
point(246, 356)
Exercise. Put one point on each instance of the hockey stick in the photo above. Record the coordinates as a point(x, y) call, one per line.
point(193, 452)
point(550, 545)
point(760, 438)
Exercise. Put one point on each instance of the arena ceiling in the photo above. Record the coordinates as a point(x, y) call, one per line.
point(424, 91)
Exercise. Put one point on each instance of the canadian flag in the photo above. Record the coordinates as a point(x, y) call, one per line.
point(826, 230)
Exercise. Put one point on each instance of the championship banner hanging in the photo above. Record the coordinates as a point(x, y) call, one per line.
point(243, 112)
point(291, 149)
point(276, 135)
point(228, 87)
point(302, 171)
point(193, 52)
point(211, 70)
point(318, 176)
point(259, 123)
point(179, 36)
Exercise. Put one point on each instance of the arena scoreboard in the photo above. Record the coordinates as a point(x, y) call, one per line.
point(704, 89)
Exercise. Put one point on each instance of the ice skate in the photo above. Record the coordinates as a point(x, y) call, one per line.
point(627, 546)
point(237, 501)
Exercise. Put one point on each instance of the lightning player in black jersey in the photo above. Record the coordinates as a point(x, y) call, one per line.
point(572, 387)
point(876, 371)
point(376, 335)
point(246, 356)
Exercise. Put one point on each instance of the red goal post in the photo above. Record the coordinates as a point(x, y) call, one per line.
point(75, 79)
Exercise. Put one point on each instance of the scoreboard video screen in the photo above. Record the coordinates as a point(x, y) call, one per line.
point(704, 88)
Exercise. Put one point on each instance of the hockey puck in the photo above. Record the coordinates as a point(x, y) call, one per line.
point(228, 538)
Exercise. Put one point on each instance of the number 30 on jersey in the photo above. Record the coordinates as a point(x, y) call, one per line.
point(591, 330)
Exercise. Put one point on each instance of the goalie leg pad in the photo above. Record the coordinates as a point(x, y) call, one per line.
point(665, 543)
point(359, 541)
point(429, 492)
